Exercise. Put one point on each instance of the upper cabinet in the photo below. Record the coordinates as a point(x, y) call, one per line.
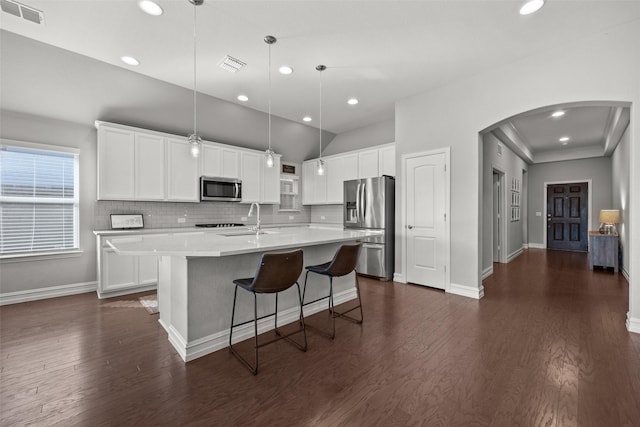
point(387, 160)
point(368, 164)
point(183, 172)
point(314, 186)
point(116, 169)
point(219, 161)
point(328, 188)
point(149, 169)
point(139, 164)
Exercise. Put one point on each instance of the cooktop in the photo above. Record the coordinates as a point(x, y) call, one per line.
point(216, 225)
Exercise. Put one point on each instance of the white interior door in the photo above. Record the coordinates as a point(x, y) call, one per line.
point(426, 220)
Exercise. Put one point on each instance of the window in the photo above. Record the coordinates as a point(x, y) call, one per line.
point(38, 199)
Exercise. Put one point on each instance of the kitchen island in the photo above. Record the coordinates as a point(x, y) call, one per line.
point(196, 272)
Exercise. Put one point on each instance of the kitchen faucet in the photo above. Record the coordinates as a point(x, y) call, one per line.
point(257, 226)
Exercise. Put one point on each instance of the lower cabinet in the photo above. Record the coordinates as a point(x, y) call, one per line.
point(124, 274)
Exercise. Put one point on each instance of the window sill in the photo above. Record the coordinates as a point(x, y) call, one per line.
point(40, 256)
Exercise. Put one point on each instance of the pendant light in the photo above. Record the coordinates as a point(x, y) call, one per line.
point(269, 153)
point(320, 170)
point(195, 142)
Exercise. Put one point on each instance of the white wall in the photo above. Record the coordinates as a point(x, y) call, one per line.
point(512, 166)
point(620, 194)
point(597, 169)
point(603, 67)
point(375, 134)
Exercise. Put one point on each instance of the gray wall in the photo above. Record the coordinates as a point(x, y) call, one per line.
point(512, 166)
point(620, 194)
point(597, 169)
point(22, 274)
point(453, 115)
point(375, 134)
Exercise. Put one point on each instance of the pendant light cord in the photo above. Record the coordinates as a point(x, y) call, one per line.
point(320, 151)
point(269, 97)
point(194, 69)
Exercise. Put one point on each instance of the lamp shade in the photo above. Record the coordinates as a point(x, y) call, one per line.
point(610, 216)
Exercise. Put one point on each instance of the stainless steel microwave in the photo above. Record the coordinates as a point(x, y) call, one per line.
point(220, 189)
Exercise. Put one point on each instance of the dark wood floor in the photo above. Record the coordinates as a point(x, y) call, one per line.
point(546, 346)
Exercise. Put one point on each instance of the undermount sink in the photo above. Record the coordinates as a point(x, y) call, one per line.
point(245, 233)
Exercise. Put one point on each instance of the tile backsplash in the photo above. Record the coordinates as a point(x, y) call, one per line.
point(167, 214)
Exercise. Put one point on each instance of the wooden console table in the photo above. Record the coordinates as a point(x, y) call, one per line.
point(603, 250)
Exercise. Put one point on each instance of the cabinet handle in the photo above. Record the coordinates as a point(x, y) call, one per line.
point(410, 227)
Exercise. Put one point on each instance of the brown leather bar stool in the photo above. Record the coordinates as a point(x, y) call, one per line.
point(343, 263)
point(277, 271)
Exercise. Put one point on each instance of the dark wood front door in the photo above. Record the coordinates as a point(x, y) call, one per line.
point(567, 216)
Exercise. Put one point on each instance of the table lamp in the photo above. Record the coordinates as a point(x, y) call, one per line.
point(608, 220)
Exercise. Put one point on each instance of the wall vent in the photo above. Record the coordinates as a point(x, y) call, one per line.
point(22, 11)
point(231, 64)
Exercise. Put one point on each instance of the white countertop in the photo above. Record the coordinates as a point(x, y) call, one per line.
point(230, 242)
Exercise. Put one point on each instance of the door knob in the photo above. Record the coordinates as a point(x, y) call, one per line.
point(410, 227)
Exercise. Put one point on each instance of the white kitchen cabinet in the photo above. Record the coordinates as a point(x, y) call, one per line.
point(339, 170)
point(259, 183)
point(270, 190)
point(119, 271)
point(147, 270)
point(251, 169)
point(124, 274)
point(211, 160)
point(368, 164)
point(219, 161)
point(183, 172)
point(230, 163)
point(149, 181)
point(314, 186)
point(116, 165)
point(328, 189)
point(387, 160)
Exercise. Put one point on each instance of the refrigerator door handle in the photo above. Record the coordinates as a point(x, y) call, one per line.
point(363, 196)
point(358, 203)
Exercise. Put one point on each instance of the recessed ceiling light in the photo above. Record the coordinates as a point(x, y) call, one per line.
point(286, 70)
point(306, 119)
point(243, 98)
point(150, 7)
point(352, 101)
point(558, 114)
point(564, 139)
point(130, 60)
point(531, 6)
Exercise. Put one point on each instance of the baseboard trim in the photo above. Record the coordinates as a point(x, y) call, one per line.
point(191, 350)
point(487, 272)
point(514, 255)
point(625, 273)
point(103, 295)
point(399, 277)
point(537, 246)
point(525, 246)
point(466, 291)
point(633, 324)
point(45, 293)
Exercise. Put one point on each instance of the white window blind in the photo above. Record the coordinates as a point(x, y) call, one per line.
point(38, 200)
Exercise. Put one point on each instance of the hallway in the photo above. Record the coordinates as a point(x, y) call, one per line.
point(546, 346)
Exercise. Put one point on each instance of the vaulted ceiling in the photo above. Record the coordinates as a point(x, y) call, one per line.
point(376, 51)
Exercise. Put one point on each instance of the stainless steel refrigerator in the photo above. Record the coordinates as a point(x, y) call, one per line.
point(370, 204)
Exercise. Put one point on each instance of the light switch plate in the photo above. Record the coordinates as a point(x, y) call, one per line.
point(538, 213)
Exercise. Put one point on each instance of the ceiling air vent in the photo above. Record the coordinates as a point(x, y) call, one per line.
point(21, 11)
point(231, 64)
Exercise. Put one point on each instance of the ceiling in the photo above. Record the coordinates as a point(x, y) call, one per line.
point(586, 129)
point(376, 51)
